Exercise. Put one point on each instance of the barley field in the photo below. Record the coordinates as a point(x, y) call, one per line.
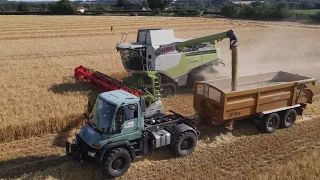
point(41, 103)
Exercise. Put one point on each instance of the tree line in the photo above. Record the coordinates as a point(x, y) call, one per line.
point(280, 10)
point(269, 9)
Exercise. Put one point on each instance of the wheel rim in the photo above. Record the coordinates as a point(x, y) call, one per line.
point(272, 123)
point(118, 163)
point(290, 119)
point(186, 144)
point(167, 91)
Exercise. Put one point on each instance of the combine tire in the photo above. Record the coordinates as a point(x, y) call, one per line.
point(168, 90)
point(269, 123)
point(185, 144)
point(116, 163)
point(288, 118)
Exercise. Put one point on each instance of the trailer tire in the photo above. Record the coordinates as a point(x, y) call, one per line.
point(122, 160)
point(185, 144)
point(288, 118)
point(269, 123)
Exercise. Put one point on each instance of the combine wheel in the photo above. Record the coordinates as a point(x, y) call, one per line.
point(116, 163)
point(185, 144)
point(269, 123)
point(168, 90)
point(288, 118)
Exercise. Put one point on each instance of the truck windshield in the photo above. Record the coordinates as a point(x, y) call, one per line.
point(104, 113)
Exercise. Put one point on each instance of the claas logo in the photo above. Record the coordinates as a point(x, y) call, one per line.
point(167, 49)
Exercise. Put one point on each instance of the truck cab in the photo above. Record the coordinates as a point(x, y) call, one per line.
point(116, 115)
point(119, 129)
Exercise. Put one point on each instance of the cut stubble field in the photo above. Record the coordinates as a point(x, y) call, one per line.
point(41, 103)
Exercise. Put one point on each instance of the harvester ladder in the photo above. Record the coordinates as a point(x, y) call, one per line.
point(156, 80)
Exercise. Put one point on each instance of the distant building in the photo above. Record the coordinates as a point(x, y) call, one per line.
point(244, 2)
point(82, 9)
point(146, 9)
point(115, 1)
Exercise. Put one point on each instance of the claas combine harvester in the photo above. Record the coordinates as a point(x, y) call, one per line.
point(159, 64)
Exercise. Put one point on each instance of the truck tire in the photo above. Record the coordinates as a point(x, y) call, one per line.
point(288, 118)
point(185, 144)
point(269, 123)
point(115, 163)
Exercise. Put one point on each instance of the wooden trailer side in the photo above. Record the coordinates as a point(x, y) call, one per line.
point(243, 104)
point(238, 105)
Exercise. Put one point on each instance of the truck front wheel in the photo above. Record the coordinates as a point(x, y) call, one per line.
point(115, 163)
point(185, 144)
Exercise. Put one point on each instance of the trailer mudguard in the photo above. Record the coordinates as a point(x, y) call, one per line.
point(180, 128)
point(123, 143)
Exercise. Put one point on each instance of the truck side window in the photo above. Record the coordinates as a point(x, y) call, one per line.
point(131, 111)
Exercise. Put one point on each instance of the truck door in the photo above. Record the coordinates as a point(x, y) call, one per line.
point(129, 128)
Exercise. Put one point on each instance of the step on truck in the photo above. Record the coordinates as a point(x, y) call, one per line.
point(117, 132)
point(273, 100)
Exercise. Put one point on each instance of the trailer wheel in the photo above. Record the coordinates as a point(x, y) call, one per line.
point(185, 143)
point(269, 123)
point(288, 118)
point(116, 163)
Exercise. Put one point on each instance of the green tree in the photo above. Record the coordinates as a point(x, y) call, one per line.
point(157, 11)
point(249, 11)
point(22, 6)
point(161, 4)
point(230, 10)
point(315, 17)
point(62, 7)
point(281, 10)
point(44, 6)
point(121, 3)
point(145, 3)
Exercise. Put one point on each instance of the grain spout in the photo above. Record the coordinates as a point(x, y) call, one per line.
point(234, 62)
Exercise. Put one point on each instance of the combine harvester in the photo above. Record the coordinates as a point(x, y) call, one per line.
point(120, 128)
point(159, 63)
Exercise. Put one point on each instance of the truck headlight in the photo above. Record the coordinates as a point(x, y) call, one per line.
point(96, 145)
